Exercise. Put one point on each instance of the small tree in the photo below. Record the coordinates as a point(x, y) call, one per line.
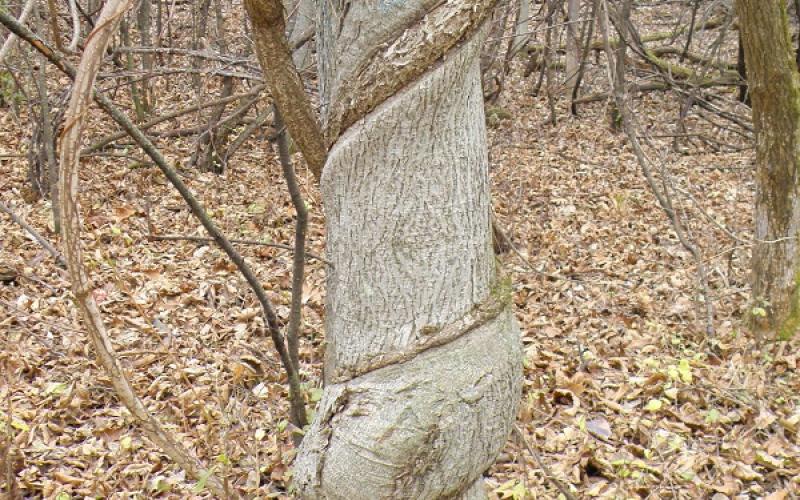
point(774, 89)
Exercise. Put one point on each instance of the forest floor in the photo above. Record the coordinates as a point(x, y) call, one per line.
point(626, 393)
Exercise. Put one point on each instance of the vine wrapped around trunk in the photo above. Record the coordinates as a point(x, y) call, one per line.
point(423, 362)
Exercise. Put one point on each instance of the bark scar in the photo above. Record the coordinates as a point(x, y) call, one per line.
point(498, 299)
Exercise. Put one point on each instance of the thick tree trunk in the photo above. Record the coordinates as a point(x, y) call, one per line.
point(423, 362)
point(774, 89)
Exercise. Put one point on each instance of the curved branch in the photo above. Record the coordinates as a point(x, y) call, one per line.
point(75, 117)
point(8, 45)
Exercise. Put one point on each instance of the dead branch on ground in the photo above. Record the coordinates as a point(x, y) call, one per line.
point(41, 240)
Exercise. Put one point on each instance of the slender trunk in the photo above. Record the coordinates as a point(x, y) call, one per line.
point(588, 33)
point(695, 6)
point(143, 22)
point(136, 96)
point(422, 367)
point(522, 30)
point(200, 28)
point(774, 87)
point(550, 53)
point(619, 64)
point(573, 43)
point(303, 22)
point(492, 69)
point(205, 155)
point(52, 19)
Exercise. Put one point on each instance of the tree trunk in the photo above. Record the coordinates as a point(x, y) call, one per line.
point(423, 360)
point(573, 55)
point(522, 30)
point(774, 89)
point(303, 21)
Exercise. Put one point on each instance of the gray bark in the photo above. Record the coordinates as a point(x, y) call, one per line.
point(573, 44)
point(303, 21)
point(522, 30)
point(422, 380)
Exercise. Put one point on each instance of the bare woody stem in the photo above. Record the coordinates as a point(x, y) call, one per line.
point(100, 144)
point(298, 264)
point(285, 85)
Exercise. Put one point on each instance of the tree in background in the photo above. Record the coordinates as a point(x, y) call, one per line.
point(423, 361)
point(573, 54)
point(774, 88)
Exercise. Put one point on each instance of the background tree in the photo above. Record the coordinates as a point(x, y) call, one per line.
point(573, 54)
point(774, 90)
point(423, 363)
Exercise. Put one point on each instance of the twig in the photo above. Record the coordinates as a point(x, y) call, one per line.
point(166, 71)
point(169, 116)
point(510, 244)
point(548, 474)
point(199, 54)
point(36, 236)
point(237, 143)
point(203, 239)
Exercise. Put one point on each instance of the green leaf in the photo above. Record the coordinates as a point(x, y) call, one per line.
point(512, 489)
point(126, 443)
point(55, 388)
point(654, 405)
point(160, 484)
point(200, 485)
point(315, 394)
point(651, 363)
point(712, 417)
point(685, 371)
point(20, 426)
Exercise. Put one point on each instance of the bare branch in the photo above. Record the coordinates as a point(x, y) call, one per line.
point(170, 116)
point(36, 236)
point(284, 81)
point(298, 263)
point(8, 45)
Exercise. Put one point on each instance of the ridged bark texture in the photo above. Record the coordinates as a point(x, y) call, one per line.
point(774, 88)
point(422, 368)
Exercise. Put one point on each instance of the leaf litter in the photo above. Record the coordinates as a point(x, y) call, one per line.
point(624, 394)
